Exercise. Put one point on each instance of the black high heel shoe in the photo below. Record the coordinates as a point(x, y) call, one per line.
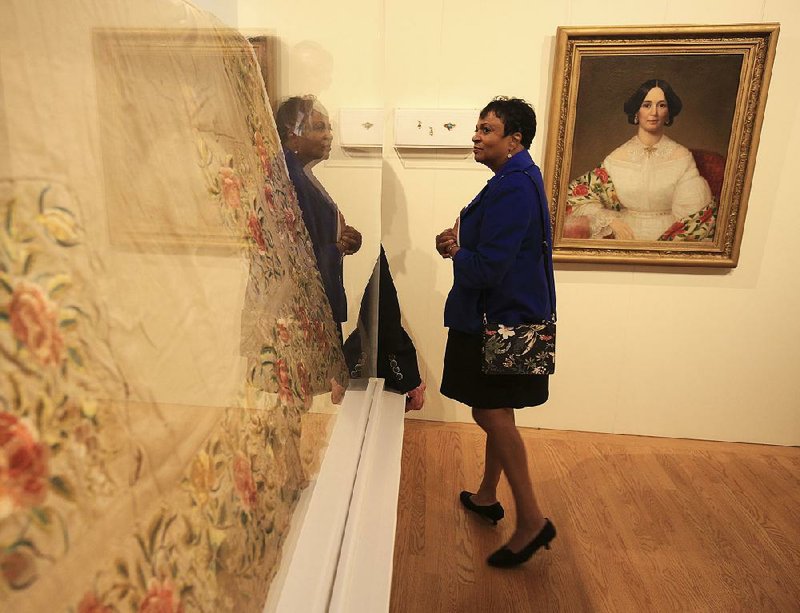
point(505, 558)
point(491, 512)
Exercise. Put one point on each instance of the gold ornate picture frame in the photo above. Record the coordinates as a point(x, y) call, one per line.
point(622, 193)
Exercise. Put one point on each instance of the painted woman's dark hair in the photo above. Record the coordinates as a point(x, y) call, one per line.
point(634, 103)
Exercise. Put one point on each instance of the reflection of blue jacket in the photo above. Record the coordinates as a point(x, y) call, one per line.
point(500, 266)
point(321, 217)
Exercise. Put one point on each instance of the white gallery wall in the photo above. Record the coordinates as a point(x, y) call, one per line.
point(664, 351)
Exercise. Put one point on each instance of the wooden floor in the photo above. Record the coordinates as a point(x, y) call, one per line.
point(644, 525)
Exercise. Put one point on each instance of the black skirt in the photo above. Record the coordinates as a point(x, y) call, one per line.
point(463, 380)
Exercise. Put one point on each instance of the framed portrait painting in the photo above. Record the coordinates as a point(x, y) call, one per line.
point(652, 141)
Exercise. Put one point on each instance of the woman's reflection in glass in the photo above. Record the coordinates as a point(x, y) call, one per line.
point(305, 133)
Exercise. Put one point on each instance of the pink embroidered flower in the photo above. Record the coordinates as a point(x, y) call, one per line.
point(291, 222)
point(305, 384)
point(23, 466)
point(319, 333)
point(243, 480)
point(269, 197)
point(256, 233)
point(34, 322)
point(601, 174)
point(231, 187)
point(161, 598)
point(18, 569)
point(90, 604)
point(284, 383)
point(282, 329)
point(262, 152)
point(581, 189)
point(305, 323)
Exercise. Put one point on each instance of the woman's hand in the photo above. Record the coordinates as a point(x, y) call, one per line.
point(415, 399)
point(622, 231)
point(337, 391)
point(349, 241)
point(577, 227)
point(446, 243)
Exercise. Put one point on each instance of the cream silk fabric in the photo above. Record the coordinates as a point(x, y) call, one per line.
point(163, 328)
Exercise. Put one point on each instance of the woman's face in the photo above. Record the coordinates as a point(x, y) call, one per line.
point(653, 112)
point(488, 143)
point(315, 142)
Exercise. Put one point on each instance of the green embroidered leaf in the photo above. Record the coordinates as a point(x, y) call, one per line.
point(188, 535)
point(68, 323)
point(41, 197)
point(154, 530)
point(75, 356)
point(9, 222)
point(60, 225)
point(5, 283)
point(58, 284)
point(143, 547)
point(122, 568)
point(62, 487)
point(140, 577)
point(42, 516)
point(28, 264)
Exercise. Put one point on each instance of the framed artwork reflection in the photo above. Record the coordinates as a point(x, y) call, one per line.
point(177, 98)
point(265, 48)
point(652, 141)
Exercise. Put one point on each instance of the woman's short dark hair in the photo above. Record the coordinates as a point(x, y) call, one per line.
point(516, 115)
point(634, 103)
point(290, 111)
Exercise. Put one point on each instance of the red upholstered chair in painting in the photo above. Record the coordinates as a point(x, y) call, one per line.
point(711, 167)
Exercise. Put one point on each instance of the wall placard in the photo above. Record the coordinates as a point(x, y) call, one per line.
point(435, 128)
point(361, 127)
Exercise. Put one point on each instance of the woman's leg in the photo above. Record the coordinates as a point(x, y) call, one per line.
point(487, 492)
point(505, 445)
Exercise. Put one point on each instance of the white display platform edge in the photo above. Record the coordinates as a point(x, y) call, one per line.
point(342, 535)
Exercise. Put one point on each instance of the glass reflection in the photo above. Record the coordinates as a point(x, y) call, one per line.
point(306, 136)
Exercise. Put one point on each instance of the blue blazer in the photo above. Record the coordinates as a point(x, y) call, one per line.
point(501, 266)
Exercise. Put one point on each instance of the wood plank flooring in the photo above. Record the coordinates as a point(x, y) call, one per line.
point(644, 524)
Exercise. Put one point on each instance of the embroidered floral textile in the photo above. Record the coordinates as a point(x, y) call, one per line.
point(163, 330)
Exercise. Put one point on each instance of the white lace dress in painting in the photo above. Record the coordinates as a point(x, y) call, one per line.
point(655, 186)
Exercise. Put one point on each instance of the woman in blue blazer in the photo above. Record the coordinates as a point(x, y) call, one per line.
point(502, 270)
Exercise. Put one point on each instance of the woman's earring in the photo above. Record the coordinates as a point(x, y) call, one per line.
point(508, 155)
point(636, 120)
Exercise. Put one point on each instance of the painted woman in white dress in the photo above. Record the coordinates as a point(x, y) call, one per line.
point(648, 188)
